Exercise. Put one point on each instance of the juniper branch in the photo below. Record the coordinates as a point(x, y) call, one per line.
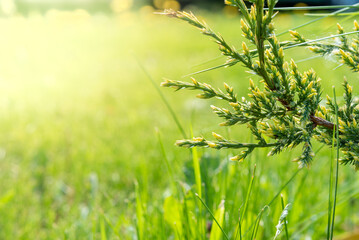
point(288, 109)
point(201, 142)
point(208, 91)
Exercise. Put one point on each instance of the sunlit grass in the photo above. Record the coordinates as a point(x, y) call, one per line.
point(78, 122)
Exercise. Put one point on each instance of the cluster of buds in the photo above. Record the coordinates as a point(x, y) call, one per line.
point(285, 112)
point(347, 50)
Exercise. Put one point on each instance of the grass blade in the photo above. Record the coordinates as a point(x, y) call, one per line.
point(173, 215)
point(210, 69)
point(247, 198)
point(285, 218)
point(239, 230)
point(216, 233)
point(337, 166)
point(319, 39)
point(282, 220)
point(139, 213)
point(214, 218)
point(164, 99)
point(103, 229)
point(330, 189)
point(163, 151)
point(313, 8)
point(109, 223)
point(274, 198)
point(198, 180)
point(249, 191)
point(327, 14)
point(320, 18)
point(256, 224)
point(206, 62)
point(197, 169)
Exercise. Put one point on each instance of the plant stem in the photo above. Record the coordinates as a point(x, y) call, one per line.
point(164, 100)
point(330, 189)
point(322, 122)
point(337, 166)
point(285, 219)
point(260, 44)
point(214, 218)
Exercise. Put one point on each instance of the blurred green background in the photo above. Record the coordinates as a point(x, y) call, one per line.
point(80, 124)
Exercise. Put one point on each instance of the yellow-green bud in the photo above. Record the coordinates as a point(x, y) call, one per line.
point(217, 136)
point(211, 144)
point(340, 28)
point(236, 158)
point(281, 53)
point(245, 48)
point(198, 139)
point(356, 25)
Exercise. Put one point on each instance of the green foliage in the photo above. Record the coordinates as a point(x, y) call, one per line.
point(285, 111)
point(78, 131)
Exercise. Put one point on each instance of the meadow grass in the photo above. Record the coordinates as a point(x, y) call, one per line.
point(87, 145)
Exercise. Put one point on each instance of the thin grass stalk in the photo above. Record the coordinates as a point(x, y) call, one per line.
point(326, 14)
point(285, 219)
point(308, 222)
point(319, 39)
point(206, 70)
point(160, 222)
point(249, 163)
point(278, 193)
point(163, 151)
point(247, 196)
point(113, 228)
point(214, 218)
point(337, 165)
point(215, 234)
point(305, 176)
point(178, 234)
point(196, 168)
point(139, 213)
point(312, 8)
point(94, 228)
point(163, 98)
point(284, 48)
point(318, 19)
point(198, 179)
point(239, 230)
point(330, 189)
point(250, 181)
point(204, 62)
point(284, 186)
point(185, 217)
point(256, 224)
point(103, 229)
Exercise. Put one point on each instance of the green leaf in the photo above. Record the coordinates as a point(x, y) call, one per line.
point(216, 232)
point(7, 197)
point(172, 214)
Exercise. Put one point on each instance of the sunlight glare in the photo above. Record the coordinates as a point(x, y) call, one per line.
point(119, 6)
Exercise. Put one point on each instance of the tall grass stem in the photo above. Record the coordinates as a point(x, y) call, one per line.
point(212, 215)
point(320, 18)
point(164, 99)
point(337, 165)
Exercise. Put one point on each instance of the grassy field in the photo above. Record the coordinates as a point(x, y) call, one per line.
point(87, 145)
